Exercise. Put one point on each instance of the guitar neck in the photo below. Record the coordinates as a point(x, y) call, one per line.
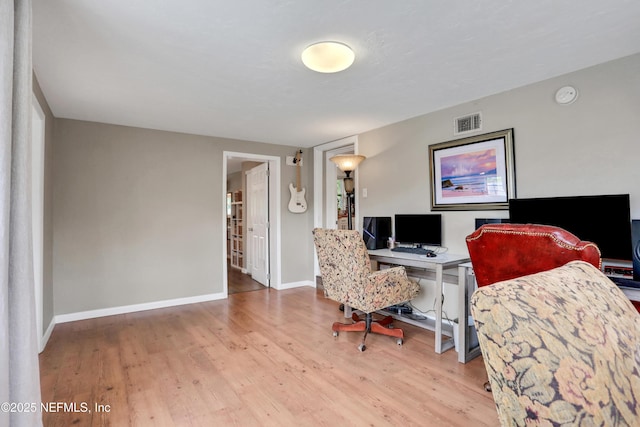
point(298, 184)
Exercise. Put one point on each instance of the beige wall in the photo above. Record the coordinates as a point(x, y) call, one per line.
point(138, 215)
point(234, 181)
point(589, 147)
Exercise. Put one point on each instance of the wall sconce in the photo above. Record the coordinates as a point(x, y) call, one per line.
point(347, 163)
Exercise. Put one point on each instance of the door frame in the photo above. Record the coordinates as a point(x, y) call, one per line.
point(249, 241)
point(37, 213)
point(319, 183)
point(275, 249)
point(331, 175)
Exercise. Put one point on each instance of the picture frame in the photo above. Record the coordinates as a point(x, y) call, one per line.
point(473, 173)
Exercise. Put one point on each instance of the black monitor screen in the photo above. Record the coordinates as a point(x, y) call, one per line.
point(423, 229)
point(482, 221)
point(604, 220)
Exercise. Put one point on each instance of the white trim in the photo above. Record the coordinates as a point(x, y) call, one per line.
point(37, 212)
point(248, 262)
point(318, 184)
point(47, 335)
point(300, 284)
point(92, 314)
point(225, 231)
point(318, 171)
point(134, 308)
point(330, 218)
point(275, 250)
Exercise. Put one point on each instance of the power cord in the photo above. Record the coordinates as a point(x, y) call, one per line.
point(440, 249)
point(445, 316)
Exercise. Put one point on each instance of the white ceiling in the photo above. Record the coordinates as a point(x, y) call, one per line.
point(233, 69)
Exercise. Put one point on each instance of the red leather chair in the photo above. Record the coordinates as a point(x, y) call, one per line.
point(505, 251)
point(501, 252)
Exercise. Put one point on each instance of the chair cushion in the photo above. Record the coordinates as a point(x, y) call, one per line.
point(561, 347)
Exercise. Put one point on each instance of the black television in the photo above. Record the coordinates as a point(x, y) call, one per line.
point(604, 220)
point(419, 229)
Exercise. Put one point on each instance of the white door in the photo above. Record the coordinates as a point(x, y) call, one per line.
point(258, 222)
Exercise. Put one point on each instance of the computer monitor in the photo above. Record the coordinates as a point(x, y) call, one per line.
point(376, 231)
point(418, 229)
point(482, 221)
point(602, 219)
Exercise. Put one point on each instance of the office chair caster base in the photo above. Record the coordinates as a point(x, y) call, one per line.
point(368, 325)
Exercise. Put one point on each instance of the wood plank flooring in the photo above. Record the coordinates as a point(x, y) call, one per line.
point(239, 282)
point(263, 358)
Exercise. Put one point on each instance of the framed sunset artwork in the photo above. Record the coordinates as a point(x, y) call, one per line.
point(474, 173)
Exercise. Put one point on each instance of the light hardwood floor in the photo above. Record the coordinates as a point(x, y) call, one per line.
point(263, 358)
point(240, 282)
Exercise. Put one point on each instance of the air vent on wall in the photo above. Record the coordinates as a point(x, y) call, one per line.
point(467, 123)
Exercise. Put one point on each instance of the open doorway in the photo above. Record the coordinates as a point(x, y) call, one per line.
point(325, 188)
point(252, 222)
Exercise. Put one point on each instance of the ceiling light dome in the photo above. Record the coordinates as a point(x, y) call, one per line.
point(328, 57)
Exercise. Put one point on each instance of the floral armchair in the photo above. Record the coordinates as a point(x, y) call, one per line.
point(561, 347)
point(505, 251)
point(347, 278)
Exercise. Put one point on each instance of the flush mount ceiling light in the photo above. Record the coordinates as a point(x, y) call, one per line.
point(328, 57)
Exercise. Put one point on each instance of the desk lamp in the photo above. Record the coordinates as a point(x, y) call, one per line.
point(347, 163)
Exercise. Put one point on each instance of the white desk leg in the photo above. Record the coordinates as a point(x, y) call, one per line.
point(439, 293)
point(462, 314)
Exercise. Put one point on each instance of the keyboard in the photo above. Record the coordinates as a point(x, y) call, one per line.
point(627, 283)
point(417, 251)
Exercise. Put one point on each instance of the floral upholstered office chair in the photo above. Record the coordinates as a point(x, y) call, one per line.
point(506, 251)
point(347, 278)
point(561, 346)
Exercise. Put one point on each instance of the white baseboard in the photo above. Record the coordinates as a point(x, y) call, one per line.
point(292, 285)
point(92, 314)
point(111, 311)
point(45, 337)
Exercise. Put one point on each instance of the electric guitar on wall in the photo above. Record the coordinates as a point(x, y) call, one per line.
point(297, 204)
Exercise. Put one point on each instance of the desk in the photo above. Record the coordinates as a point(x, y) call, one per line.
point(466, 287)
point(437, 264)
